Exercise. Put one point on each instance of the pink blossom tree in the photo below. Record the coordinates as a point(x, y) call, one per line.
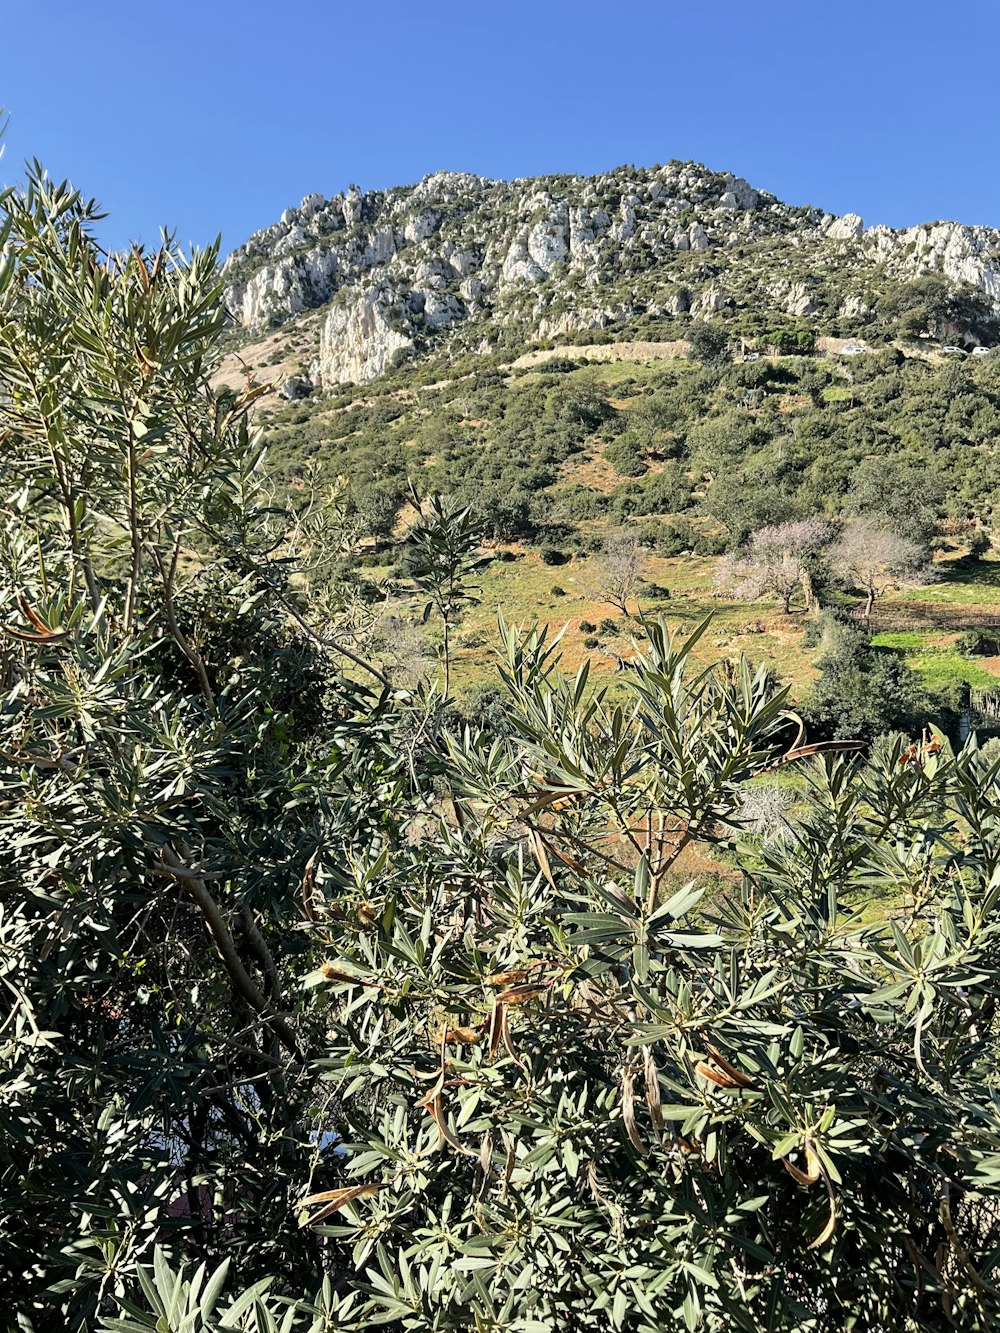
point(778, 559)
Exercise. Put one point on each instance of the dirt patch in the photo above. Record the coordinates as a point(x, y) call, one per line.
point(898, 616)
point(627, 351)
point(596, 473)
point(271, 358)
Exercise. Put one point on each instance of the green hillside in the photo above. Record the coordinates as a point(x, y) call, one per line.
point(688, 456)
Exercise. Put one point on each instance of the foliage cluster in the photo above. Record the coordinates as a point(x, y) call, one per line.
point(327, 1006)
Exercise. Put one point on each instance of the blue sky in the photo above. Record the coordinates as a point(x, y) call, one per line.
point(216, 116)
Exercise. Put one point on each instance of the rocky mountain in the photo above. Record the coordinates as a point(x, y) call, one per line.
point(466, 262)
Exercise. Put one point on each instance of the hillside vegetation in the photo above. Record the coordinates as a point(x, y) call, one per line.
point(664, 356)
point(336, 997)
point(688, 458)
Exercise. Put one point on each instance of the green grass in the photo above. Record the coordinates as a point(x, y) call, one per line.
point(935, 658)
point(944, 668)
point(907, 640)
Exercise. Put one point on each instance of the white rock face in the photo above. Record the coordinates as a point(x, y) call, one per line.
point(845, 228)
point(282, 289)
point(467, 260)
point(292, 239)
point(852, 307)
point(795, 298)
point(548, 240)
point(518, 265)
point(353, 206)
point(710, 301)
point(571, 321)
point(471, 289)
point(697, 237)
point(741, 194)
point(463, 262)
point(800, 301)
point(421, 226)
point(357, 342)
point(380, 248)
point(963, 254)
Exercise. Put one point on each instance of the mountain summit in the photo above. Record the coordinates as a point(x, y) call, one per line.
point(481, 263)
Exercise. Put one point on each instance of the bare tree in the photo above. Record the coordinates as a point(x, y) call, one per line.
point(876, 559)
point(622, 565)
point(778, 559)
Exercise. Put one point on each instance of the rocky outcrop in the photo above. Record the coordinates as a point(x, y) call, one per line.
point(846, 228)
point(474, 260)
point(362, 336)
point(969, 255)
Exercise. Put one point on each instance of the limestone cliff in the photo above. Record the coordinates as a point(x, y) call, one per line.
point(483, 261)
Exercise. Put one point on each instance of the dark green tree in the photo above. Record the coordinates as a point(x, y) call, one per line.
point(708, 343)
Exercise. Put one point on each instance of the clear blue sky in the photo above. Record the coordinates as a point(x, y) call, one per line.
point(216, 116)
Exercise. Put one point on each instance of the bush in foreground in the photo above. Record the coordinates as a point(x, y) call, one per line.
point(413, 1024)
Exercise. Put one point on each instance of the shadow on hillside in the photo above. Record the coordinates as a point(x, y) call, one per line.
point(960, 569)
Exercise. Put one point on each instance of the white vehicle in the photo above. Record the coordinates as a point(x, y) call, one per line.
point(981, 351)
point(852, 349)
point(952, 351)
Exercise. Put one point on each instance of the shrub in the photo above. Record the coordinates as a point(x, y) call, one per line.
point(979, 643)
point(709, 343)
point(710, 543)
point(485, 708)
point(675, 538)
point(558, 590)
point(587, 626)
point(551, 555)
point(626, 457)
point(978, 544)
point(591, 641)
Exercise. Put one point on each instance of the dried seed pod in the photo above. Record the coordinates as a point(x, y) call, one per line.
point(651, 1074)
point(802, 1177)
point(716, 1076)
point(507, 978)
point(522, 994)
point(628, 1110)
point(463, 1036)
point(333, 973)
point(332, 1200)
point(735, 1074)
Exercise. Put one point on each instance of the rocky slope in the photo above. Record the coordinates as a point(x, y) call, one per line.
point(480, 263)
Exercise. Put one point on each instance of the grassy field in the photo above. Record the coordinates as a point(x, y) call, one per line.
point(526, 590)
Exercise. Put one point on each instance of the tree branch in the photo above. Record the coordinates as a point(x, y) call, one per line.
point(171, 866)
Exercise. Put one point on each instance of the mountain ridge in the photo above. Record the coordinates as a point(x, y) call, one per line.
point(464, 261)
